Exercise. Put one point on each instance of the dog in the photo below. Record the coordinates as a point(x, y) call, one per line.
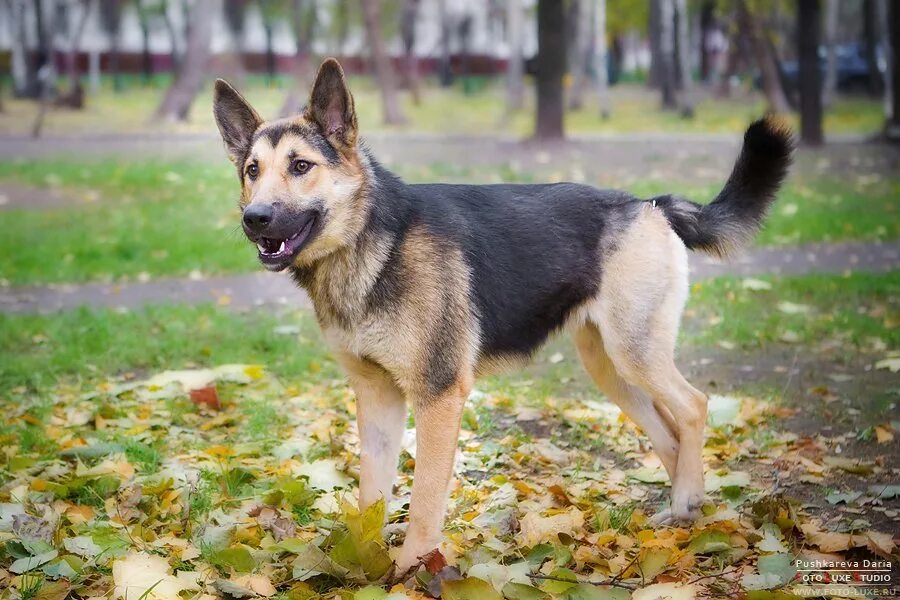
point(419, 289)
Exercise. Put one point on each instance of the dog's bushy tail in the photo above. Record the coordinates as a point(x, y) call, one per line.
point(736, 215)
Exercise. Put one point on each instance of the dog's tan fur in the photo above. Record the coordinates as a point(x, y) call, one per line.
point(422, 348)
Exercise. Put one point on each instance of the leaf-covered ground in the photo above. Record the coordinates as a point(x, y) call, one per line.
point(230, 482)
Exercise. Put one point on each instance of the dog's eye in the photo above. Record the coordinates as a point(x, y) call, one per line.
point(301, 167)
point(252, 170)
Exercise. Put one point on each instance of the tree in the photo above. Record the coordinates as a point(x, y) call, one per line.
point(870, 39)
point(599, 59)
point(831, 23)
point(75, 94)
point(891, 27)
point(810, 78)
point(111, 23)
point(176, 104)
point(273, 12)
point(21, 68)
point(409, 13)
point(551, 66)
point(303, 22)
point(581, 55)
point(686, 98)
point(146, 58)
point(667, 68)
point(765, 58)
point(235, 12)
point(384, 72)
point(515, 73)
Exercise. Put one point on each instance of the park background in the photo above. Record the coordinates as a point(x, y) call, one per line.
point(175, 426)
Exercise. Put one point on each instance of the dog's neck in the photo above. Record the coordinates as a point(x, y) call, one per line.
point(339, 283)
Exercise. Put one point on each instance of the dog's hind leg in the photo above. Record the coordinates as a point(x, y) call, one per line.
point(381, 416)
point(637, 312)
point(633, 401)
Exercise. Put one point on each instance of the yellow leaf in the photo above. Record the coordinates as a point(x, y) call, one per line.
point(666, 591)
point(884, 434)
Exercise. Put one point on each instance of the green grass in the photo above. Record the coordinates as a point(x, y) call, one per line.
point(442, 110)
point(155, 218)
point(87, 345)
point(854, 310)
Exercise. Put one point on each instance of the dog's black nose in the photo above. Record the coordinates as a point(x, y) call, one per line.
point(257, 217)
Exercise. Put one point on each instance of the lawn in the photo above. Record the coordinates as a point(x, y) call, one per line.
point(116, 475)
point(447, 111)
point(131, 219)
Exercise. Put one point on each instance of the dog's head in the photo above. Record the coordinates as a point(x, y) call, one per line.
point(302, 178)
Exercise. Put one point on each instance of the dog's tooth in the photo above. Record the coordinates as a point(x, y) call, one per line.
point(281, 248)
point(261, 248)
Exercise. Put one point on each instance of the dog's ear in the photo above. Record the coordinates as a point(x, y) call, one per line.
point(331, 106)
point(236, 120)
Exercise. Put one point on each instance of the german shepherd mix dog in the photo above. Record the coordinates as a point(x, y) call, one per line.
point(419, 289)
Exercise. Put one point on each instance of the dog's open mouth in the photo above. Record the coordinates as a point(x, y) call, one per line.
point(277, 253)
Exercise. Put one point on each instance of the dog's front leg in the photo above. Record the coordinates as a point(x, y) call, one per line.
point(381, 417)
point(437, 434)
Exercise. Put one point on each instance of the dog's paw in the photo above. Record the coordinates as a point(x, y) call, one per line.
point(677, 517)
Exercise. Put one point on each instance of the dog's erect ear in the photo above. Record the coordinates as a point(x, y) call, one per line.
point(236, 120)
point(331, 105)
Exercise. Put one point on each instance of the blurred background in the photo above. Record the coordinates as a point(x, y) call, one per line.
point(506, 67)
point(121, 253)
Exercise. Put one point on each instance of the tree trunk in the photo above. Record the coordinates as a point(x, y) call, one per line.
point(870, 39)
point(384, 72)
point(551, 66)
point(890, 21)
point(445, 71)
point(765, 59)
point(73, 73)
point(810, 78)
point(829, 88)
point(235, 13)
point(667, 68)
point(176, 104)
point(304, 22)
point(707, 21)
point(20, 65)
point(686, 99)
point(408, 16)
point(270, 53)
point(173, 38)
point(600, 61)
point(654, 33)
point(582, 53)
point(515, 74)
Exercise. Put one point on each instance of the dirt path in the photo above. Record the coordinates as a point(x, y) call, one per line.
point(606, 158)
point(259, 289)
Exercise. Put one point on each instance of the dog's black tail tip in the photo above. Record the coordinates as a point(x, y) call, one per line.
point(772, 138)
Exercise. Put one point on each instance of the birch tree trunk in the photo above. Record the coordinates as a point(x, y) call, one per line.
point(515, 71)
point(20, 67)
point(176, 104)
point(384, 72)
point(600, 61)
